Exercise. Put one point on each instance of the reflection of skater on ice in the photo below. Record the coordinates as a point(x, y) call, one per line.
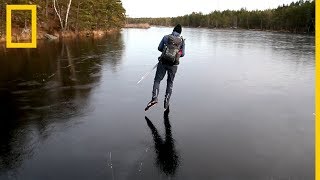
point(167, 158)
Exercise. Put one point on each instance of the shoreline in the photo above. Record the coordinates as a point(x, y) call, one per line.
point(42, 35)
point(138, 26)
point(262, 30)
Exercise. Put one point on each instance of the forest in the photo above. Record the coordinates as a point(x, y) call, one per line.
point(66, 15)
point(297, 17)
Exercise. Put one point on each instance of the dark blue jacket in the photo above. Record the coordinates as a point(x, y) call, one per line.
point(164, 41)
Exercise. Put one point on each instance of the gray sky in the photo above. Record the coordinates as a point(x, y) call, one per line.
point(172, 8)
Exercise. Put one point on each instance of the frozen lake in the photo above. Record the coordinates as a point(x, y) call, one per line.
point(242, 108)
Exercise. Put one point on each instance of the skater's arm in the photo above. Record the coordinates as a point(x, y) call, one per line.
point(182, 49)
point(162, 43)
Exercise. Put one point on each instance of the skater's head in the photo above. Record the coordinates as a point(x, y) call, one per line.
point(177, 28)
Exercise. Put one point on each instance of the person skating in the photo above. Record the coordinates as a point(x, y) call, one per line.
point(172, 47)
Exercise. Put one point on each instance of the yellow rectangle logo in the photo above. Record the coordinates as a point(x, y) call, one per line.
point(33, 9)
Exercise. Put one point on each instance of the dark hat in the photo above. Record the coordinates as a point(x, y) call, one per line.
point(178, 28)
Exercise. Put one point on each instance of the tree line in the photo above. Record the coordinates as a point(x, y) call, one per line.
point(67, 15)
point(298, 17)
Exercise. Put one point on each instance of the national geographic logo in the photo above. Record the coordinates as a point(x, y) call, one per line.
point(33, 9)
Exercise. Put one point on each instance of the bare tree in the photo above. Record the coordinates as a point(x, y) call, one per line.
point(64, 24)
point(67, 15)
point(58, 13)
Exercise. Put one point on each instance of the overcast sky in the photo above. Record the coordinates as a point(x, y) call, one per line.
point(172, 8)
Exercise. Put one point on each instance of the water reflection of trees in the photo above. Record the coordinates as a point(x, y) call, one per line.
point(48, 85)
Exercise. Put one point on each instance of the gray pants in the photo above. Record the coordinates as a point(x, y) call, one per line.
point(161, 72)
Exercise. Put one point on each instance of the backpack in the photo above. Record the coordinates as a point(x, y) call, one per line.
point(170, 52)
